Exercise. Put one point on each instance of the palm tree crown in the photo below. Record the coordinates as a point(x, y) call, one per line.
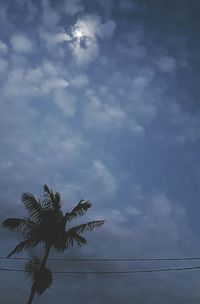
point(47, 224)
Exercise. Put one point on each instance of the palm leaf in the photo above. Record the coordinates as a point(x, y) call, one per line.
point(51, 199)
point(48, 197)
point(33, 206)
point(23, 245)
point(42, 280)
point(72, 237)
point(32, 266)
point(57, 201)
point(86, 227)
point(78, 210)
point(25, 226)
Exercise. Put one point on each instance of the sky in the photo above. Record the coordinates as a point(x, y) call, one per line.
point(100, 100)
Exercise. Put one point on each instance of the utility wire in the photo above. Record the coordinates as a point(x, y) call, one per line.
point(107, 259)
point(111, 272)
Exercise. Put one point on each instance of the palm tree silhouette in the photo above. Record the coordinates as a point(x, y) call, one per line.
point(46, 224)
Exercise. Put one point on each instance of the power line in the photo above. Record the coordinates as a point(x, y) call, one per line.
point(111, 272)
point(128, 272)
point(107, 259)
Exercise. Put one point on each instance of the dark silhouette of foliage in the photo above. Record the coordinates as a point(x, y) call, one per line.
point(41, 277)
point(46, 224)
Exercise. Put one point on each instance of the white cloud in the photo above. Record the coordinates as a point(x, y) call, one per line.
point(3, 66)
point(106, 30)
point(50, 69)
point(135, 127)
point(140, 83)
point(133, 211)
point(65, 101)
point(52, 84)
point(73, 7)
point(84, 55)
point(101, 114)
point(21, 43)
point(104, 175)
point(54, 41)
point(50, 16)
point(86, 33)
point(29, 82)
point(153, 222)
point(70, 192)
point(18, 86)
point(83, 40)
point(54, 38)
point(79, 81)
point(91, 26)
point(167, 64)
point(3, 48)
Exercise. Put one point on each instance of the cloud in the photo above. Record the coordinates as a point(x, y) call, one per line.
point(123, 103)
point(83, 39)
point(184, 127)
point(73, 7)
point(153, 222)
point(65, 101)
point(79, 81)
point(102, 114)
point(3, 66)
point(3, 48)
point(54, 41)
point(50, 17)
point(52, 84)
point(167, 64)
point(54, 38)
point(21, 43)
point(85, 35)
point(31, 82)
point(105, 133)
point(104, 175)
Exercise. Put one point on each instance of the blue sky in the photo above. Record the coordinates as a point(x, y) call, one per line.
point(100, 100)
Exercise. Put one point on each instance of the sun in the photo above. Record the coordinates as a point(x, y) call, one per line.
point(78, 34)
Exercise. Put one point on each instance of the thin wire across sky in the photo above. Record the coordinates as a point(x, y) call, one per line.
point(134, 271)
point(107, 259)
point(111, 272)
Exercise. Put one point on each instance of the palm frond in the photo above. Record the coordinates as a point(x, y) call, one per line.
point(51, 199)
point(48, 197)
point(32, 266)
point(86, 227)
point(42, 280)
point(33, 207)
point(78, 210)
point(74, 238)
point(23, 245)
point(57, 201)
point(25, 226)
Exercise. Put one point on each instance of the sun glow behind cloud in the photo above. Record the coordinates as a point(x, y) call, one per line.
point(78, 34)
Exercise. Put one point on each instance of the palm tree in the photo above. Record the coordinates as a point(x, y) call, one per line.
point(46, 224)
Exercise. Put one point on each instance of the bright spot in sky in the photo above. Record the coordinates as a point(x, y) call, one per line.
point(78, 34)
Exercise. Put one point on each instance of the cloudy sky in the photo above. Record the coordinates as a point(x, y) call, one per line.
point(100, 100)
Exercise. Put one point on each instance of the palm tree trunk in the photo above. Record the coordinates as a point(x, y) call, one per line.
point(44, 260)
point(30, 300)
point(48, 248)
